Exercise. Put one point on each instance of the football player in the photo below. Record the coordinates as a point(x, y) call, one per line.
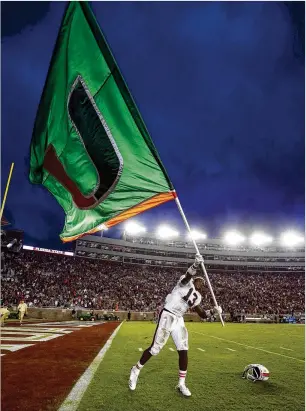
point(22, 310)
point(4, 314)
point(184, 296)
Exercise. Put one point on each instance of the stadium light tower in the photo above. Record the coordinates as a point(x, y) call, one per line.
point(166, 232)
point(134, 228)
point(233, 238)
point(260, 239)
point(197, 235)
point(291, 239)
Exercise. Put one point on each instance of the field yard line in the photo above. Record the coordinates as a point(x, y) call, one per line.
point(37, 338)
point(140, 349)
point(73, 399)
point(287, 349)
point(249, 346)
point(230, 349)
point(37, 330)
point(201, 349)
point(14, 347)
point(171, 349)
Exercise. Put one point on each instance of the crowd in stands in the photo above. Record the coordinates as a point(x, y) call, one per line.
point(52, 280)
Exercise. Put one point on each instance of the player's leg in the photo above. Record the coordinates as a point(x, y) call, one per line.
point(180, 338)
point(21, 316)
point(160, 338)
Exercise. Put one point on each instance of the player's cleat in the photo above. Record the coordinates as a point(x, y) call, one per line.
point(133, 378)
point(184, 390)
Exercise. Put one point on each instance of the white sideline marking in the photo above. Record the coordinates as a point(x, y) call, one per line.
point(287, 349)
point(250, 346)
point(171, 349)
point(73, 399)
point(230, 349)
point(140, 349)
point(201, 349)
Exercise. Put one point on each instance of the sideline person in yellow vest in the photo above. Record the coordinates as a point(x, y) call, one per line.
point(22, 310)
point(4, 313)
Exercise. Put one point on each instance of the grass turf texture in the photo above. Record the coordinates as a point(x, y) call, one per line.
point(214, 376)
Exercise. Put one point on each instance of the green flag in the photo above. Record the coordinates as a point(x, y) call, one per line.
point(90, 147)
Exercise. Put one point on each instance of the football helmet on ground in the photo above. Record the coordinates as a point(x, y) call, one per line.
point(256, 372)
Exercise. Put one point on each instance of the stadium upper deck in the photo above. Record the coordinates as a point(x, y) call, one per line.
point(218, 256)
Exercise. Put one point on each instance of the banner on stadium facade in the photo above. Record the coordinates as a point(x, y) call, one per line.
point(90, 147)
point(47, 250)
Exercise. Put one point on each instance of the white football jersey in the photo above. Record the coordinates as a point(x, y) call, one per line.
point(182, 298)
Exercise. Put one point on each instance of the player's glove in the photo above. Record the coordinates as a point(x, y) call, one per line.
point(198, 260)
point(218, 310)
point(193, 269)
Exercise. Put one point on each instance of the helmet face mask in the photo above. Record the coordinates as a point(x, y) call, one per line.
point(256, 372)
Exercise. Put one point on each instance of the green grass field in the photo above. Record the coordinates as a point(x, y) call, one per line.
point(214, 375)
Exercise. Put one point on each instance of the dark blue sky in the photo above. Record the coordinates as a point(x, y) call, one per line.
point(220, 87)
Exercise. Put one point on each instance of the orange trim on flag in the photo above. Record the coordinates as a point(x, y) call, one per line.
point(140, 208)
point(152, 202)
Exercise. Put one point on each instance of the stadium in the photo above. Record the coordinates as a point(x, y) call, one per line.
point(260, 285)
point(262, 280)
point(102, 267)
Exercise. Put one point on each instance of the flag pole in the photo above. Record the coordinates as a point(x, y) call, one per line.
point(6, 189)
point(198, 252)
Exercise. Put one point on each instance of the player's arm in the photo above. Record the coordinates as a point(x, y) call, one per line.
point(203, 314)
point(192, 269)
point(207, 313)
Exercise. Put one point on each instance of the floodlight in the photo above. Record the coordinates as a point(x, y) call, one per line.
point(134, 228)
point(196, 235)
point(291, 239)
point(166, 232)
point(233, 238)
point(259, 239)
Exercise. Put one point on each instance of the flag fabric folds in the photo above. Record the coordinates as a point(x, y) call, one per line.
point(90, 147)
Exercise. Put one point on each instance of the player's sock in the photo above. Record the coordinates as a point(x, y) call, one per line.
point(138, 366)
point(182, 376)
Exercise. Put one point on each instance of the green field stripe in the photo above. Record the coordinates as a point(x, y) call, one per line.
point(249, 346)
point(213, 377)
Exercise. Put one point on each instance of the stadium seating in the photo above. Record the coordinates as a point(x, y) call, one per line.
point(51, 280)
